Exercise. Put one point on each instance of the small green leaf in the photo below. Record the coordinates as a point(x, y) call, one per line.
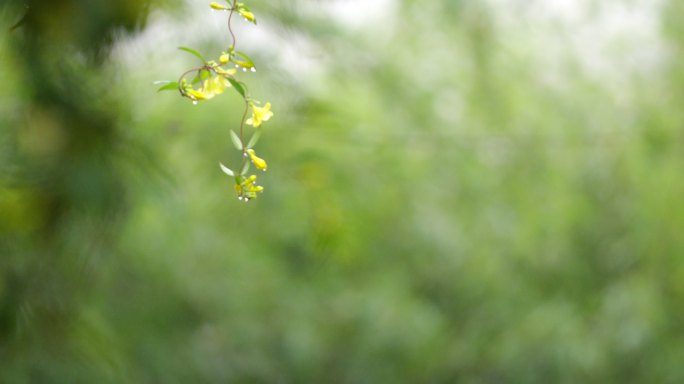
point(172, 86)
point(204, 74)
point(193, 52)
point(245, 168)
point(254, 139)
point(227, 170)
point(236, 140)
point(196, 79)
point(237, 85)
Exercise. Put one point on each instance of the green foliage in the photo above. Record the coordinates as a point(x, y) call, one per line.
point(170, 86)
point(238, 87)
point(194, 53)
point(235, 138)
point(464, 193)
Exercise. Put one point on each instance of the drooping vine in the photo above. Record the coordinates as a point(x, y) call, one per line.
point(211, 79)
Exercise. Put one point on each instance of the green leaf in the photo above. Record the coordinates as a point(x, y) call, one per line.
point(196, 79)
point(236, 140)
point(172, 86)
point(254, 139)
point(227, 170)
point(245, 168)
point(194, 53)
point(204, 74)
point(237, 85)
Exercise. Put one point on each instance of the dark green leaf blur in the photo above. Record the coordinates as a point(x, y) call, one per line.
point(458, 191)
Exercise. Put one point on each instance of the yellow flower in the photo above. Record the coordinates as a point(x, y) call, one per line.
point(249, 16)
point(245, 188)
point(224, 58)
point(258, 162)
point(210, 88)
point(246, 13)
point(225, 72)
point(218, 7)
point(197, 94)
point(215, 85)
point(259, 115)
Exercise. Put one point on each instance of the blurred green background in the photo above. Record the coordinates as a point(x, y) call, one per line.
point(458, 191)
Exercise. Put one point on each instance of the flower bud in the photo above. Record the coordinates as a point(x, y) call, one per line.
point(258, 162)
point(246, 13)
point(218, 7)
point(249, 16)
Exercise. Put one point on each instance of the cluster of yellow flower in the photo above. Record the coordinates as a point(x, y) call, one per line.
point(212, 79)
point(246, 189)
point(210, 88)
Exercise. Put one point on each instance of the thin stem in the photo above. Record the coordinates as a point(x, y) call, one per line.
point(230, 27)
point(244, 114)
point(242, 134)
point(180, 79)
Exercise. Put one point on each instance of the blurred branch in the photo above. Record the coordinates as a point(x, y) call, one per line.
point(21, 21)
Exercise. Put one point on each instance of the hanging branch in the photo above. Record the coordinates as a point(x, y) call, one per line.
point(211, 79)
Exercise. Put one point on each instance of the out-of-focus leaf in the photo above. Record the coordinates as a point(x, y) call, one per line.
point(237, 85)
point(196, 79)
point(227, 170)
point(255, 138)
point(194, 53)
point(172, 86)
point(245, 168)
point(20, 22)
point(236, 140)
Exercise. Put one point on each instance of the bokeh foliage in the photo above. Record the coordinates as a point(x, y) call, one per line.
point(450, 200)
